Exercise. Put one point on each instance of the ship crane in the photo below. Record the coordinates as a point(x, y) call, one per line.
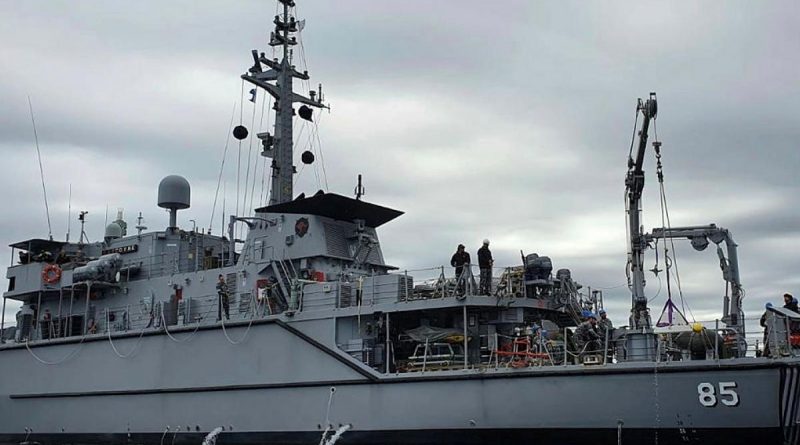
point(634, 184)
point(640, 320)
point(699, 236)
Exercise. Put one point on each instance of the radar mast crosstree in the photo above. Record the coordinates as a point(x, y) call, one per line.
point(282, 73)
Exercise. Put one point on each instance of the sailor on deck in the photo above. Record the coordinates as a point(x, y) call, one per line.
point(606, 332)
point(459, 260)
point(485, 263)
point(587, 336)
point(605, 324)
point(790, 302)
point(223, 305)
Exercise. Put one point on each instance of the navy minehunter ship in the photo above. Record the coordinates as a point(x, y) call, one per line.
point(301, 332)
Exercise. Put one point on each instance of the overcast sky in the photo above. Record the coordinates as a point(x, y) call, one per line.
point(506, 120)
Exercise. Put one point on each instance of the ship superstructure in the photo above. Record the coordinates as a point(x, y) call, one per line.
point(303, 329)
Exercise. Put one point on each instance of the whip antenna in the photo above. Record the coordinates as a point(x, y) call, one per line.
point(41, 171)
point(69, 212)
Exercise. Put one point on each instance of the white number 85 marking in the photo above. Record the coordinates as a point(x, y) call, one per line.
point(727, 394)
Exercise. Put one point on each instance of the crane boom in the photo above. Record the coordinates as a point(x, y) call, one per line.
point(634, 184)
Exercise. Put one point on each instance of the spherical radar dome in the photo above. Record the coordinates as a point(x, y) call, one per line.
point(174, 192)
point(113, 230)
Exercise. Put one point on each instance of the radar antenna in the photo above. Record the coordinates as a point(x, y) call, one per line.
point(139, 224)
point(82, 218)
point(279, 147)
point(359, 191)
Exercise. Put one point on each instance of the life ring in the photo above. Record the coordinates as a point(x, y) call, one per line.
point(51, 274)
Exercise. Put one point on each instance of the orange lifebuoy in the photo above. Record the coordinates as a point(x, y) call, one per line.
point(51, 274)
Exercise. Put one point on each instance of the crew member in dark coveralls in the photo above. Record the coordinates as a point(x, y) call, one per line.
point(587, 336)
point(222, 292)
point(459, 260)
point(485, 263)
point(791, 302)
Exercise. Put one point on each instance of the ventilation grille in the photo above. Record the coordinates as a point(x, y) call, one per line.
point(335, 240)
point(230, 283)
point(345, 295)
point(245, 303)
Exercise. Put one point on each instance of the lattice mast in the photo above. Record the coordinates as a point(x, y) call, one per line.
point(280, 146)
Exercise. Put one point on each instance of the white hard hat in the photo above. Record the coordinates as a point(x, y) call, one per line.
point(486, 241)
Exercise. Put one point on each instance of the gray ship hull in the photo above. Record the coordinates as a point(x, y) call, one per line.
point(274, 387)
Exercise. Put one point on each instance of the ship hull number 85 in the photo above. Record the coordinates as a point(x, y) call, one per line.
point(710, 396)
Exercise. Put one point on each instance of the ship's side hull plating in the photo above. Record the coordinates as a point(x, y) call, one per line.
point(275, 387)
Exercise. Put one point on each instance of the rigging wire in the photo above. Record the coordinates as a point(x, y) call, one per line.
point(319, 147)
point(300, 133)
point(249, 158)
point(297, 178)
point(222, 168)
point(609, 287)
point(658, 291)
point(667, 223)
point(314, 150)
point(310, 145)
point(239, 158)
point(262, 199)
point(41, 170)
point(667, 261)
point(675, 262)
point(257, 153)
point(315, 130)
point(263, 181)
point(306, 82)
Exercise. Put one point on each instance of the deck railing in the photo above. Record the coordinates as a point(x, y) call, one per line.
point(711, 342)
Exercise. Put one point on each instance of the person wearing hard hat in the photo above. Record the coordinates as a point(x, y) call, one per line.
point(485, 263)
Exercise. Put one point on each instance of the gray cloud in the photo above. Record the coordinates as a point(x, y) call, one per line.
point(509, 121)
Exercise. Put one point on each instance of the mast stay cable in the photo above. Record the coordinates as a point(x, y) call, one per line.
point(256, 155)
point(222, 167)
point(315, 130)
point(239, 158)
point(249, 155)
point(41, 171)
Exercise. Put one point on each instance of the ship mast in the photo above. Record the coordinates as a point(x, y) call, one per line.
point(280, 146)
